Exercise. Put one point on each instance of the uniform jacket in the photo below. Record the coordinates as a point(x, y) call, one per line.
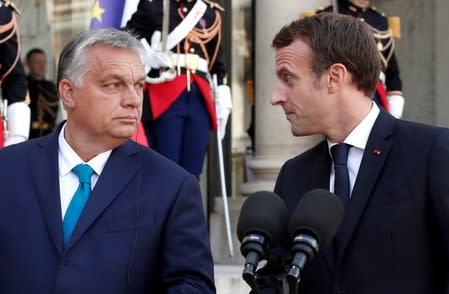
point(44, 106)
point(146, 20)
point(379, 21)
point(14, 85)
point(394, 238)
point(142, 230)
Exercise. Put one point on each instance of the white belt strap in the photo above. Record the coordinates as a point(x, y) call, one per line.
point(181, 60)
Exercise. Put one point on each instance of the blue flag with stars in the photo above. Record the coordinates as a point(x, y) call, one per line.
point(112, 13)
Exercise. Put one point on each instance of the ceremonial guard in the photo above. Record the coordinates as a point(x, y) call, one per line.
point(43, 95)
point(385, 30)
point(183, 43)
point(14, 111)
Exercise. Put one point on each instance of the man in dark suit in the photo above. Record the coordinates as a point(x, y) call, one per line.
point(43, 95)
point(394, 237)
point(135, 223)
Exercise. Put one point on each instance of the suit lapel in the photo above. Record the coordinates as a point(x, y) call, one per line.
point(45, 175)
point(320, 166)
point(120, 168)
point(376, 151)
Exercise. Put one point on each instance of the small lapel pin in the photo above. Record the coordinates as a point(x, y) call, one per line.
point(376, 151)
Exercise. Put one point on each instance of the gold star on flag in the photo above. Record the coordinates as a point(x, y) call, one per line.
point(97, 11)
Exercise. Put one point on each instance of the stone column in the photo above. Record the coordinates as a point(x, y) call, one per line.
point(442, 63)
point(274, 141)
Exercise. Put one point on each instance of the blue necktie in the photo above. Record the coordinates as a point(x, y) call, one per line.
point(79, 199)
point(341, 183)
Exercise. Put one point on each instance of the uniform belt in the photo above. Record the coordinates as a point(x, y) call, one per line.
point(190, 61)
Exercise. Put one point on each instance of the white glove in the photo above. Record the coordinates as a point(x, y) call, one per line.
point(223, 107)
point(396, 103)
point(155, 57)
point(19, 116)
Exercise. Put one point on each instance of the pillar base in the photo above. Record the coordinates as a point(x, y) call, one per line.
point(218, 234)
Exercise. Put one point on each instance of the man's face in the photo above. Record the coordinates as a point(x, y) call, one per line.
point(108, 105)
point(37, 65)
point(301, 94)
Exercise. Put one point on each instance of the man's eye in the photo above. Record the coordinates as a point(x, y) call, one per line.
point(112, 86)
point(139, 86)
point(286, 77)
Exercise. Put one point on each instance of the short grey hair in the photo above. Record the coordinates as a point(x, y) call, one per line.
point(72, 63)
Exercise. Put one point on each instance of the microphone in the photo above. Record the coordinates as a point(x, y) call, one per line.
point(261, 225)
point(313, 224)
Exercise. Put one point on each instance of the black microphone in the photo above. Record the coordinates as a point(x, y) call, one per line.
point(312, 225)
point(261, 225)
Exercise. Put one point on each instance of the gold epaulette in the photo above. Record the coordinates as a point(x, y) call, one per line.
point(307, 13)
point(394, 23)
point(314, 11)
point(214, 4)
point(8, 3)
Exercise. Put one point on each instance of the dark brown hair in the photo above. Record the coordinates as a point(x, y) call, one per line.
point(336, 38)
point(33, 51)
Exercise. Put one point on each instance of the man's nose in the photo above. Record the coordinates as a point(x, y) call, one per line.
point(277, 95)
point(133, 96)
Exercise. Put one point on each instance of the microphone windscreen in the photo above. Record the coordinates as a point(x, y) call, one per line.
point(263, 213)
point(319, 213)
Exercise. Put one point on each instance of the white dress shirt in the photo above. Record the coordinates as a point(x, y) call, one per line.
point(68, 180)
point(357, 139)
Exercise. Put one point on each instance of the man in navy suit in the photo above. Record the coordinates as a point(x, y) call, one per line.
point(394, 237)
point(142, 229)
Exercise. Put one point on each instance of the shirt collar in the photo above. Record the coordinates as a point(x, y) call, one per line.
point(68, 158)
point(359, 135)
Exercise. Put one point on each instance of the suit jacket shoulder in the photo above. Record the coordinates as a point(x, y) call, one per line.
point(307, 171)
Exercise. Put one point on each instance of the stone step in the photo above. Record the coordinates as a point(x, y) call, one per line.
point(228, 280)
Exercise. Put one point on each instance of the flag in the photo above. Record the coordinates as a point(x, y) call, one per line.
point(115, 14)
point(112, 13)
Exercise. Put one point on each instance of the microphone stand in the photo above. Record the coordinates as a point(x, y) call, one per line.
point(287, 287)
point(252, 282)
point(293, 288)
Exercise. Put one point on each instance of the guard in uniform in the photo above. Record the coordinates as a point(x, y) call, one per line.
point(385, 30)
point(15, 113)
point(182, 64)
point(43, 95)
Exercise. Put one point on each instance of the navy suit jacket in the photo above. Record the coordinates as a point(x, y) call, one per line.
point(394, 237)
point(142, 231)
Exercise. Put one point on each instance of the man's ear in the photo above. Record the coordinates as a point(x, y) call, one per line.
point(337, 75)
point(66, 89)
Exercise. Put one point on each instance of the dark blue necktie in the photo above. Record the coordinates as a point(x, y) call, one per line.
point(341, 184)
point(79, 199)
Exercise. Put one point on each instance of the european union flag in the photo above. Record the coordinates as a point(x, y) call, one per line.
point(112, 13)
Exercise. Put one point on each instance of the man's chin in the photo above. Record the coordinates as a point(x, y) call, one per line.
point(126, 133)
